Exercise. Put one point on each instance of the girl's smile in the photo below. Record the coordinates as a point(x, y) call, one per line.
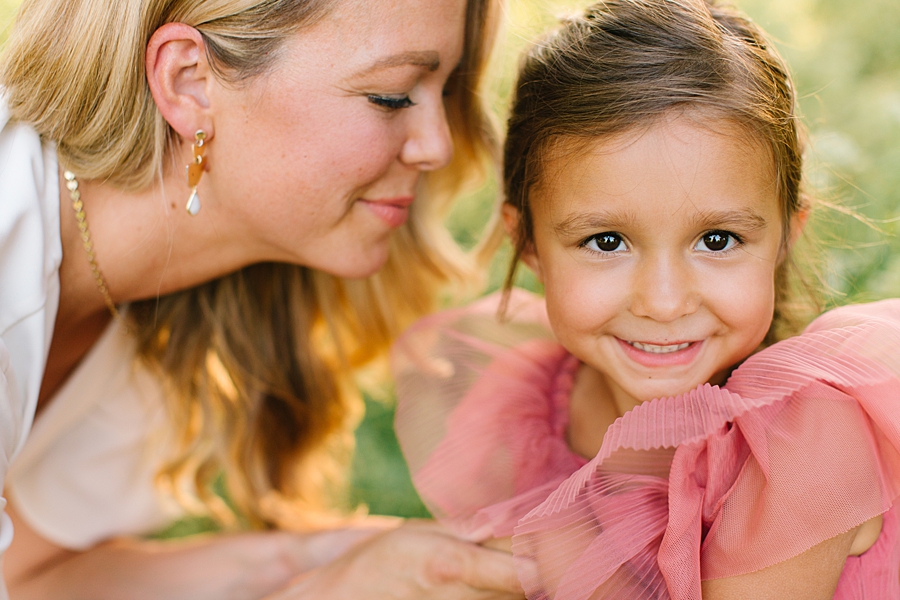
point(658, 355)
point(658, 249)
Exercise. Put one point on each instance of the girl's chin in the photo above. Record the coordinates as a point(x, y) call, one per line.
point(664, 389)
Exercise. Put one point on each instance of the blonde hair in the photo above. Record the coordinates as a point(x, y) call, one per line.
point(259, 363)
point(627, 63)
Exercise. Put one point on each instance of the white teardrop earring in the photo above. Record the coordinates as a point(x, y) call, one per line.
point(195, 171)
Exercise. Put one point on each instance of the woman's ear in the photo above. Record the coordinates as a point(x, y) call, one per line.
point(179, 77)
point(511, 219)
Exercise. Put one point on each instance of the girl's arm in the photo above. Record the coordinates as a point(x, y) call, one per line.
point(812, 575)
point(418, 558)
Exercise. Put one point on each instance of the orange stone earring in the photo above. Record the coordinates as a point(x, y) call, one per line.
point(195, 171)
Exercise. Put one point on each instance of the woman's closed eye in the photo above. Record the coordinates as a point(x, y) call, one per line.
point(605, 243)
point(717, 241)
point(391, 102)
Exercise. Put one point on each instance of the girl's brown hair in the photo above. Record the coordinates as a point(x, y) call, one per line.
point(258, 364)
point(627, 63)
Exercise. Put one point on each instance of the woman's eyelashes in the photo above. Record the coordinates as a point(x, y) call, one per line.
point(391, 102)
point(717, 241)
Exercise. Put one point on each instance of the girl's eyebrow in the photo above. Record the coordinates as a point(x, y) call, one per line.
point(745, 219)
point(594, 221)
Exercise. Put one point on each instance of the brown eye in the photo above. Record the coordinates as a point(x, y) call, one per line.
point(716, 241)
point(605, 242)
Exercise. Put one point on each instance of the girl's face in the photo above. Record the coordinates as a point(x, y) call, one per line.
point(317, 161)
point(658, 250)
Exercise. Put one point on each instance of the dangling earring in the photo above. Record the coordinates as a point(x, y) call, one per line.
point(195, 172)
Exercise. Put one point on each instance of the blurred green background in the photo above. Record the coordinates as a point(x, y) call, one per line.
point(845, 57)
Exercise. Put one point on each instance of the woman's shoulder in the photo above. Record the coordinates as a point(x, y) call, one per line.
point(30, 247)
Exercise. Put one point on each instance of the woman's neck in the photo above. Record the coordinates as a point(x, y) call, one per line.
point(145, 244)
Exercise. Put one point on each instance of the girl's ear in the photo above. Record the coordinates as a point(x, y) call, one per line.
point(511, 219)
point(798, 224)
point(179, 77)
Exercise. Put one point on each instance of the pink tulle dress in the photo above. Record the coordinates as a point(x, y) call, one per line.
point(801, 444)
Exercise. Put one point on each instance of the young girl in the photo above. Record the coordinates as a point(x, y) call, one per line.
point(628, 430)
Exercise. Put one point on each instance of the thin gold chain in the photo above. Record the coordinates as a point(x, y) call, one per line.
point(78, 206)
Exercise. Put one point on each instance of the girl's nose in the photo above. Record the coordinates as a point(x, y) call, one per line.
point(665, 289)
point(428, 145)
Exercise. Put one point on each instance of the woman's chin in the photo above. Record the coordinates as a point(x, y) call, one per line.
point(360, 268)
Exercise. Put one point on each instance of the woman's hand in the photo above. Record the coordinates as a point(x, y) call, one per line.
point(418, 560)
point(374, 557)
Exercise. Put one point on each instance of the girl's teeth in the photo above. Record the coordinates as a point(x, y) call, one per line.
point(654, 349)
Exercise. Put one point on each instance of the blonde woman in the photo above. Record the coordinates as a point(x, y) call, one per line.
point(262, 183)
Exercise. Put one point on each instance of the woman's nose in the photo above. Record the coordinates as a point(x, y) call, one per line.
point(665, 289)
point(429, 145)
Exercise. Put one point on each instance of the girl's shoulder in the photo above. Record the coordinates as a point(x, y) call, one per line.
point(482, 409)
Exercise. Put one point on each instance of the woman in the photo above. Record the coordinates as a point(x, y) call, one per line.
point(308, 129)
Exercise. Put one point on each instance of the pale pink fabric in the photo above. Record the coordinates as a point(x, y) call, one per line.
point(801, 444)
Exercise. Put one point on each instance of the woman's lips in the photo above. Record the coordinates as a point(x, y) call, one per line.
point(649, 354)
point(393, 211)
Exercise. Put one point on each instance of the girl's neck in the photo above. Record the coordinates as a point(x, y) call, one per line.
point(593, 406)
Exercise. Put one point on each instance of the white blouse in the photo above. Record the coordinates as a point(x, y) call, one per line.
point(86, 471)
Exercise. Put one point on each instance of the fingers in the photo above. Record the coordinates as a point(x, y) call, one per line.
point(477, 567)
point(492, 570)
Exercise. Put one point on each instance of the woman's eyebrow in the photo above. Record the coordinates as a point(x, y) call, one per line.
point(429, 59)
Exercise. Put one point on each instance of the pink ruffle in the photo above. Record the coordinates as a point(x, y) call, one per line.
point(802, 444)
point(483, 414)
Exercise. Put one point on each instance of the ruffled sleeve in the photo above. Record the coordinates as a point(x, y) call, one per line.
point(482, 411)
point(802, 444)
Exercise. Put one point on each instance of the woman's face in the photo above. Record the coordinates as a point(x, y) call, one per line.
point(318, 160)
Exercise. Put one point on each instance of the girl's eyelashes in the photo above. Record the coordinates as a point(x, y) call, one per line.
point(391, 102)
point(605, 243)
point(717, 241)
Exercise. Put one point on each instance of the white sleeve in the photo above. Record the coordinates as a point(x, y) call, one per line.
point(87, 472)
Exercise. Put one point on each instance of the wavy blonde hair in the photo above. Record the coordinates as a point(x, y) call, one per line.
point(258, 364)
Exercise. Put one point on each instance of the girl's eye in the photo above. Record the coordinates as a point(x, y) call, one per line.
point(605, 242)
point(391, 102)
point(717, 241)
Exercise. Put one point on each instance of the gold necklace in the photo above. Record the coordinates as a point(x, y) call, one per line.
point(78, 206)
